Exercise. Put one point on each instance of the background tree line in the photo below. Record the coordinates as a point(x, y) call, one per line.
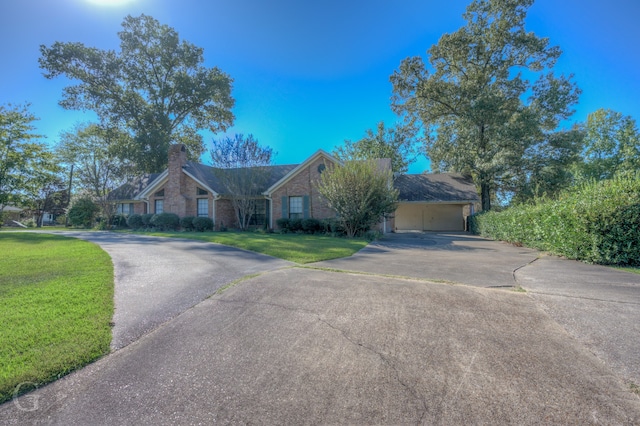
point(486, 103)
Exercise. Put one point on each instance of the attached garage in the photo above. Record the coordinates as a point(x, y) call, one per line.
point(434, 202)
point(430, 217)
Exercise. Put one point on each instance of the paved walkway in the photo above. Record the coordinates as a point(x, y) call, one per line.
point(297, 345)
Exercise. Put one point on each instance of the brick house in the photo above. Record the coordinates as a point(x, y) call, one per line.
point(188, 188)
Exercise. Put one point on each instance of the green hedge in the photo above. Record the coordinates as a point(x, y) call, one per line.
point(598, 222)
point(165, 221)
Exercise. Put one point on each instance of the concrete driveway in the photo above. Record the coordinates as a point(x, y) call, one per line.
point(310, 346)
point(597, 305)
point(157, 279)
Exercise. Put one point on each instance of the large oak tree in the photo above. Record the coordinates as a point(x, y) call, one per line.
point(488, 95)
point(156, 88)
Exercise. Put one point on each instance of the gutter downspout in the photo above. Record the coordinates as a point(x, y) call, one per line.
point(268, 197)
point(215, 200)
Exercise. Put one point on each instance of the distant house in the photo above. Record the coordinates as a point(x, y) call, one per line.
point(10, 214)
point(186, 188)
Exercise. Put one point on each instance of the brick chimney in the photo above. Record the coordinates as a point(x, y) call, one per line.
point(174, 199)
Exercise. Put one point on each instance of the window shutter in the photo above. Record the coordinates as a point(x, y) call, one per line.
point(285, 207)
point(130, 208)
point(305, 206)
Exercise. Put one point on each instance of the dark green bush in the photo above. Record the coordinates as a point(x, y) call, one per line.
point(119, 221)
point(295, 225)
point(83, 213)
point(596, 222)
point(283, 223)
point(202, 224)
point(332, 226)
point(165, 221)
point(311, 225)
point(135, 221)
point(146, 220)
point(186, 223)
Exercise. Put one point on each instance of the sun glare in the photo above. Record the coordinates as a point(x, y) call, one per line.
point(109, 2)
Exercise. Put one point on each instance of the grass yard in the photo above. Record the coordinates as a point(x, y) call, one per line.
point(56, 303)
point(293, 247)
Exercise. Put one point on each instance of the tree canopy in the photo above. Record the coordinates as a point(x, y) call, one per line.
point(612, 145)
point(26, 165)
point(398, 143)
point(240, 164)
point(156, 88)
point(480, 110)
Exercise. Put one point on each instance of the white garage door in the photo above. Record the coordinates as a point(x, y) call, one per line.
point(429, 217)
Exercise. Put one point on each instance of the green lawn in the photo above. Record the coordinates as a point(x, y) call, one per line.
point(56, 303)
point(632, 269)
point(293, 247)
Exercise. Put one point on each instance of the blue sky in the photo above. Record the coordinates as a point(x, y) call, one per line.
point(308, 75)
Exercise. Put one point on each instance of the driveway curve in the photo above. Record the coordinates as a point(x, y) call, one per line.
point(455, 257)
point(313, 346)
point(157, 279)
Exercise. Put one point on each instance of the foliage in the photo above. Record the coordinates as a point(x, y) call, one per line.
point(398, 144)
point(165, 221)
point(307, 226)
point(480, 112)
point(612, 145)
point(311, 225)
point(156, 88)
point(547, 167)
point(88, 151)
point(595, 222)
point(48, 194)
point(83, 212)
point(25, 164)
point(202, 224)
point(186, 223)
point(297, 248)
point(241, 165)
point(283, 223)
point(146, 219)
point(359, 193)
point(119, 221)
point(55, 327)
point(135, 221)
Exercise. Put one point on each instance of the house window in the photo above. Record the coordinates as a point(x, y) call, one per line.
point(201, 191)
point(203, 207)
point(295, 207)
point(159, 206)
point(124, 208)
point(259, 217)
point(160, 193)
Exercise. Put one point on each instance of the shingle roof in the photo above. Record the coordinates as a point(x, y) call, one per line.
point(437, 187)
point(131, 189)
point(206, 174)
point(202, 172)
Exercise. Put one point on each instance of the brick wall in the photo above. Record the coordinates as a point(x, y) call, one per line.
point(303, 183)
point(225, 214)
point(175, 188)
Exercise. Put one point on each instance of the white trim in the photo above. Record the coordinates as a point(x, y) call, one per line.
point(159, 181)
point(319, 153)
point(198, 181)
point(268, 197)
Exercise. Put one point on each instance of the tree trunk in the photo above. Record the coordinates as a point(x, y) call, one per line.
point(485, 195)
